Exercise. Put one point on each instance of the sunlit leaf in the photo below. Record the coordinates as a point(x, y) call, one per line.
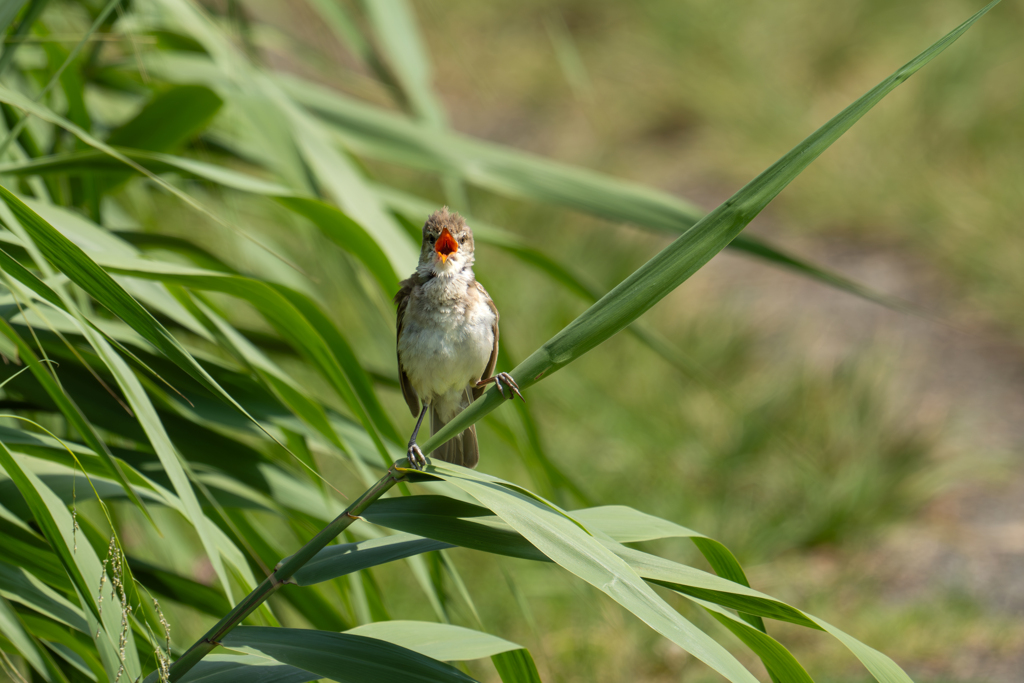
point(444, 642)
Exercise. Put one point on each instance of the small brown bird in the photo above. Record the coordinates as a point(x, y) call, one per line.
point(447, 337)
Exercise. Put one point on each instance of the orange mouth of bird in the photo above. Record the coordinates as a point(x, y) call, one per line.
point(445, 245)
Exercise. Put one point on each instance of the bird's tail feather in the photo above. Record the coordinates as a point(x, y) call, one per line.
point(462, 448)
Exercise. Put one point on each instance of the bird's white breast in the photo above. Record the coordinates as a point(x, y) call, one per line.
point(446, 340)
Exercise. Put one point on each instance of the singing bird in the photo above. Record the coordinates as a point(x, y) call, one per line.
point(447, 338)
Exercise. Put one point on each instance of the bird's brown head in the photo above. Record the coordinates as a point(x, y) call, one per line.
point(447, 243)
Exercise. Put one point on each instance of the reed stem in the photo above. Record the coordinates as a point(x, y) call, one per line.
point(280, 576)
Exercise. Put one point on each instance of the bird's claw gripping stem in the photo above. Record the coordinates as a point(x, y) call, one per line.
point(416, 458)
point(500, 380)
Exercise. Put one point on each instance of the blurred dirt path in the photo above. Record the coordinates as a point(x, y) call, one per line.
point(967, 377)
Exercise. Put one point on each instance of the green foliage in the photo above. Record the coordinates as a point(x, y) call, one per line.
point(197, 272)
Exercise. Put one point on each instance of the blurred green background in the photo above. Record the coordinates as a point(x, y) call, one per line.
point(871, 457)
point(863, 463)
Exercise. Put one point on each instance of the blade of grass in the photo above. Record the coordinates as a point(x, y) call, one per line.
point(516, 666)
point(94, 161)
point(779, 661)
point(11, 628)
point(173, 464)
point(18, 585)
point(341, 656)
point(627, 525)
point(443, 642)
point(761, 249)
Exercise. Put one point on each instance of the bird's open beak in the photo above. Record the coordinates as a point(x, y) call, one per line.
point(445, 245)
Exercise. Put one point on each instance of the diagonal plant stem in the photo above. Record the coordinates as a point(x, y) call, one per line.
point(282, 574)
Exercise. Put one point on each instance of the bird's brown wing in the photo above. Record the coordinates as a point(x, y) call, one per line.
point(492, 362)
point(402, 299)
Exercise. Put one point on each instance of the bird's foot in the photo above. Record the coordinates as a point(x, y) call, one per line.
point(499, 379)
point(417, 460)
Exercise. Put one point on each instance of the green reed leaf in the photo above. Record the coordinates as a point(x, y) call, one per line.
point(443, 642)
point(341, 656)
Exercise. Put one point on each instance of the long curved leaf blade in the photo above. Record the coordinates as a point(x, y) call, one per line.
point(72, 413)
point(761, 249)
point(79, 560)
point(626, 525)
point(378, 133)
point(12, 629)
point(443, 642)
point(87, 274)
point(516, 666)
point(383, 134)
point(244, 669)
point(568, 545)
point(342, 657)
point(777, 659)
point(677, 262)
point(345, 558)
point(298, 320)
point(169, 119)
point(17, 585)
point(394, 23)
point(333, 171)
point(75, 648)
point(881, 666)
point(348, 235)
point(98, 162)
point(452, 521)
